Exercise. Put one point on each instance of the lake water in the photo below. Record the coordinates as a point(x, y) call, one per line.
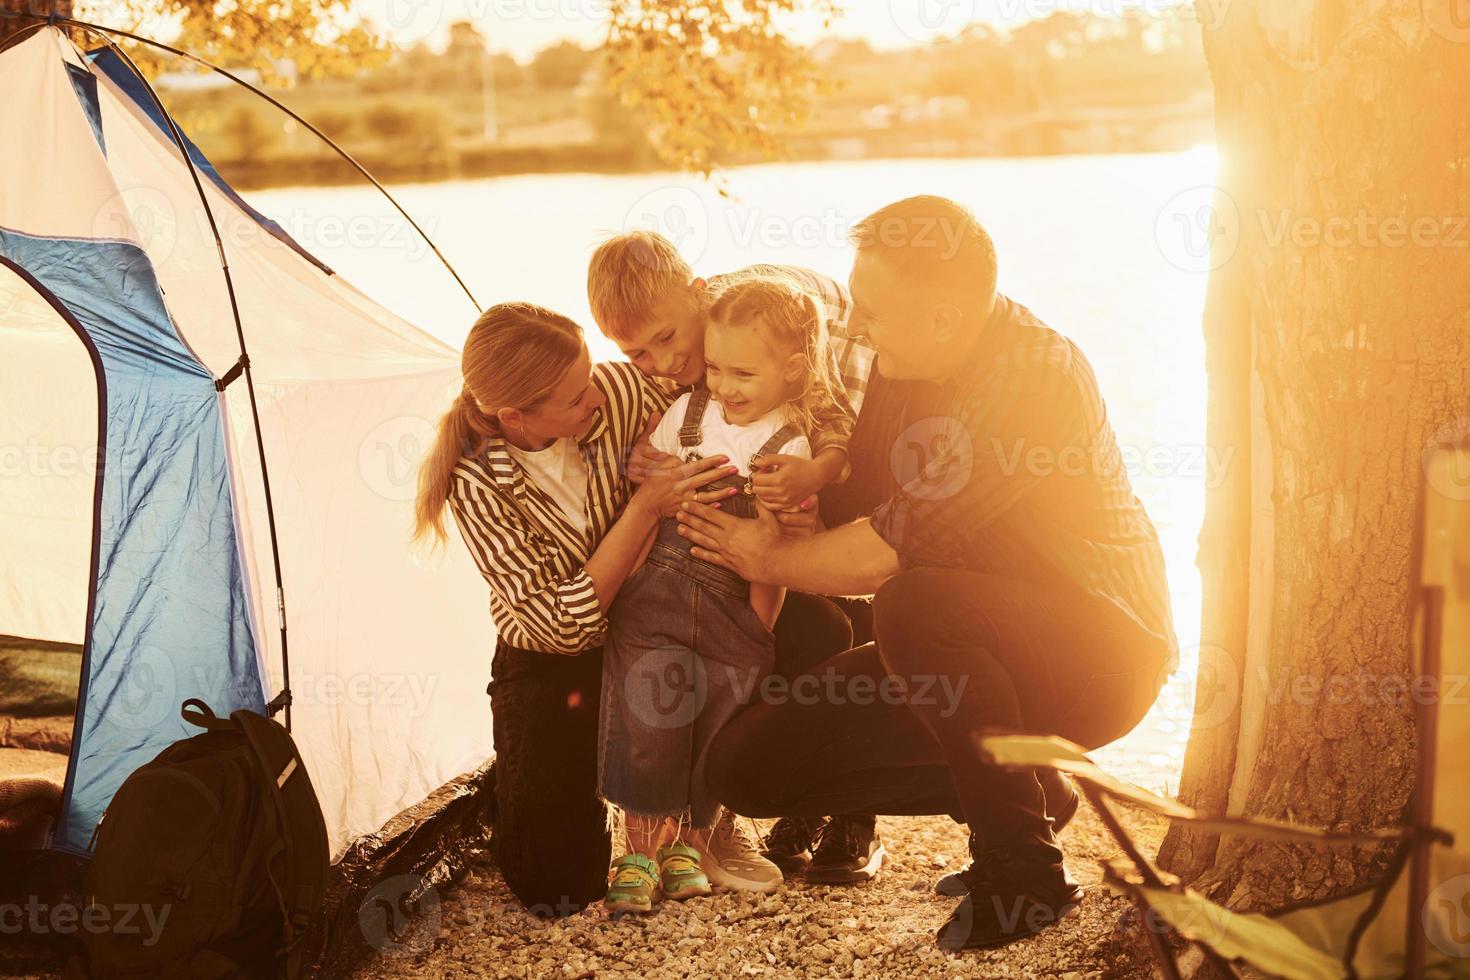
point(1090, 243)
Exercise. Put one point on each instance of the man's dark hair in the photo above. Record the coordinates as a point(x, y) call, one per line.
point(933, 239)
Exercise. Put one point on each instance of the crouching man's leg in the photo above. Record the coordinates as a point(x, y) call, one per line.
point(977, 654)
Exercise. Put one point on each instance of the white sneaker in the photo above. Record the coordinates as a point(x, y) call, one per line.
point(733, 860)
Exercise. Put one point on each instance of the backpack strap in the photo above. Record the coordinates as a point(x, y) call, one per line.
point(691, 433)
point(202, 716)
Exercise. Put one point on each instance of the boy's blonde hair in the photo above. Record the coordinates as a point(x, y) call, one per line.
point(630, 276)
point(795, 321)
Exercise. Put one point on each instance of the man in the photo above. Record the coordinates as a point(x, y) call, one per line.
point(647, 300)
point(1018, 584)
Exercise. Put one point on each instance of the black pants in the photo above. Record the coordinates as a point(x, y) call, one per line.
point(887, 727)
point(551, 838)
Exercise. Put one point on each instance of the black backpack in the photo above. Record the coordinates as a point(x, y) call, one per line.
point(211, 860)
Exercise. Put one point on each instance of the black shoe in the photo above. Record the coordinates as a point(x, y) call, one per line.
point(1025, 896)
point(959, 883)
point(789, 844)
point(848, 851)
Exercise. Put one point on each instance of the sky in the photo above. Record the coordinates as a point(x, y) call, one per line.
point(523, 27)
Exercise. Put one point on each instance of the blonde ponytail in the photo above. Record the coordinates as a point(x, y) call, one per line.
point(515, 354)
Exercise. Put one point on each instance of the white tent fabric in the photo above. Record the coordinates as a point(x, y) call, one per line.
point(389, 648)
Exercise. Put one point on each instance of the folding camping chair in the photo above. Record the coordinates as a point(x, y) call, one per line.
point(1414, 924)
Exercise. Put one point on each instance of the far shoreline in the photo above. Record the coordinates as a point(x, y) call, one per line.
point(475, 163)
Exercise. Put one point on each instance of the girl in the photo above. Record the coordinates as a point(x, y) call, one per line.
point(688, 640)
point(529, 458)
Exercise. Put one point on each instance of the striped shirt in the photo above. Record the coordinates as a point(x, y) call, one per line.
point(1011, 467)
point(533, 556)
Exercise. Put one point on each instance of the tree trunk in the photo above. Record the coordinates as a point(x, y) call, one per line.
point(16, 29)
point(1338, 345)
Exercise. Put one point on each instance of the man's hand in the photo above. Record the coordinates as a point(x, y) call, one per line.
point(782, 482)
point(745, 546)
point(644, 457)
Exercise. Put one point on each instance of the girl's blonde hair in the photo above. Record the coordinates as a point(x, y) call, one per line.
point(795, 321)
point(515, 355)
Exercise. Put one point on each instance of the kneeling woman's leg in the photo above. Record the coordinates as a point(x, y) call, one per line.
point(551, 835)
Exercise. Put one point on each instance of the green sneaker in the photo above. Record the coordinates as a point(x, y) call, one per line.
point(634, 885)
point(678, 866)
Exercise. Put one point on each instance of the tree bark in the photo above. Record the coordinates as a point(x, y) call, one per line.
point(1338, 346)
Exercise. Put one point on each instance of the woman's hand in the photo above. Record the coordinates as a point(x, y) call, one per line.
point(670, 483)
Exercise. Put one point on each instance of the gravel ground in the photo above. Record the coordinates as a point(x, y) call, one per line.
point(883, 928)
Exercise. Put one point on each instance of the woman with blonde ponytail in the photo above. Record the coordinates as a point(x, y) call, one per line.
point(529, 458)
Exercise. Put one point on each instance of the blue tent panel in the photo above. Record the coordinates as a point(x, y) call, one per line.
point(169, 609)
point(85, 84)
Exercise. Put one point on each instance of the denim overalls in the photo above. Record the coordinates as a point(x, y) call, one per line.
point(684, 653)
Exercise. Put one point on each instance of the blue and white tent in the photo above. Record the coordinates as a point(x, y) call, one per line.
point(133, 517)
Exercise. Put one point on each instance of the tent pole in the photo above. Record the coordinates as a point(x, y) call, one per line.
point(104, 31)
point(244, 363)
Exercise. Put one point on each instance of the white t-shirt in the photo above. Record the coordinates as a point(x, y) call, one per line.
point(739, 442)
point(560, 471)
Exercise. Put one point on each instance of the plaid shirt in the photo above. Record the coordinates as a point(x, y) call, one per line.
point(1011, 467)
